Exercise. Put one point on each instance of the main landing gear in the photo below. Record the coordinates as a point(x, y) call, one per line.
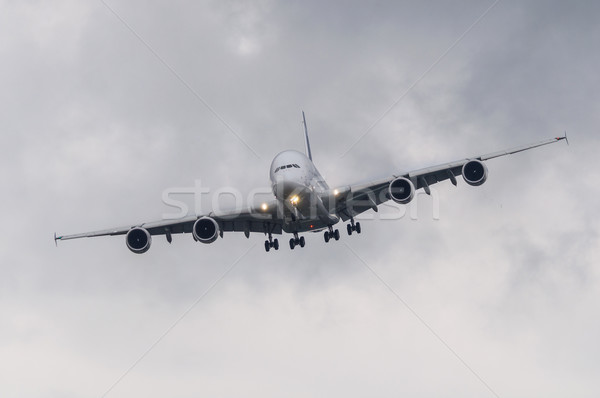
point(353, 227)
point(271, 243)
point(331, 234)
point(295, 241)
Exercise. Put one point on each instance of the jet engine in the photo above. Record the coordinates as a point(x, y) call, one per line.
point(138, 240)
point(401, 190)
point(474, 172)
point(206, 230)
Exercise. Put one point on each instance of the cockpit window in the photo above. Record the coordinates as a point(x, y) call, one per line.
point(287, 166)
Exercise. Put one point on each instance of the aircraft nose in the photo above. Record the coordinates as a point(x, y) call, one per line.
point(285, 188)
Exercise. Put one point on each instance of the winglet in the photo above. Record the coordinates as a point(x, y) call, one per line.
point(306, 142)
point(56, 240)
point(564, 137)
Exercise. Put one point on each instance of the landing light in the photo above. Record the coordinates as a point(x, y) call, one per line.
point(336, 192)
point(264, 207)
point(294, 200)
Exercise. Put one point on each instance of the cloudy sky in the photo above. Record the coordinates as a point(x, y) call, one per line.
point(105, 105)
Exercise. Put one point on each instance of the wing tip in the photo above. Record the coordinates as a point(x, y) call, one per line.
point(564, 137)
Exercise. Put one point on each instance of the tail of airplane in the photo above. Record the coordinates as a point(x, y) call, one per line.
point(306, 142)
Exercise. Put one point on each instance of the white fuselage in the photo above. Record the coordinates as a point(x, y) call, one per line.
point(299, 186)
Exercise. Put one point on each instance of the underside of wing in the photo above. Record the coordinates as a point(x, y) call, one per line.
point(353, 200)
point(266, 218)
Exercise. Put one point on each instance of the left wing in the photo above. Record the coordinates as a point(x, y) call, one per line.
point(356, 199)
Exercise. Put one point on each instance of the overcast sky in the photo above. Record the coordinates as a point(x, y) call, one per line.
point(103, 106)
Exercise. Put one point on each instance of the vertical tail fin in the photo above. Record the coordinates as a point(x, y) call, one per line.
point(306, 142)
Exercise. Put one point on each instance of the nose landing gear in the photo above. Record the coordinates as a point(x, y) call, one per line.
point(297, 241)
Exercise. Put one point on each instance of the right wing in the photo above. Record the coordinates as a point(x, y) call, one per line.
point(267, 218)
point(355, 199)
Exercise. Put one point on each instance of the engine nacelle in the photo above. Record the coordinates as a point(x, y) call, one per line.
point(138, 240)
point(474, 172)
point(206, 230)
point(401, 190)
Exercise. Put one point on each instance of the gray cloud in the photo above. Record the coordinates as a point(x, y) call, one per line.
point(94, 128)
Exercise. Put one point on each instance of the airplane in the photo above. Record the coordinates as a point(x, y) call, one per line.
point(304, 202)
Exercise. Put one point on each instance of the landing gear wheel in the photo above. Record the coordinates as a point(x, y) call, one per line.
point(292, 243)
point(326, 236)
point(267, 246)
point(336, 234)
point(276, 244)
point(357, 227)
point(302, 242)
point(349, 228)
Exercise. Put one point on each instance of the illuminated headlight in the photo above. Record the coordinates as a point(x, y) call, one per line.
point(336, 192)
point(294, 200)
point(264, 207)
